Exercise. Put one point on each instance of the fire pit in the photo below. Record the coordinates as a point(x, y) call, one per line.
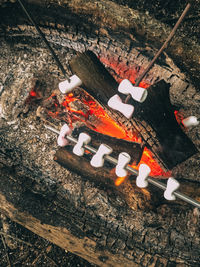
point(88, 211)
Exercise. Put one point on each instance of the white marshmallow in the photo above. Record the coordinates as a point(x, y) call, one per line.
point(83, 139)
point(98, 159)
point(172, 185)
point(67, 86)
point(141, 180)
point(137, 93)
point(123, 159)
point(190, 121)
point(115, 103)
point(65, 130)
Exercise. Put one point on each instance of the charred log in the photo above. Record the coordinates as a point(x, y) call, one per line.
point(94, 222)
point(157, 111)
point(134, 149)
point(96, 79)
point(105, 178)
point(126, 18)
point(154, 119)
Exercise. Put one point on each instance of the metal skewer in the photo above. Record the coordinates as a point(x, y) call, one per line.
point(169, 38)
point(45, 40)
point(114, 161)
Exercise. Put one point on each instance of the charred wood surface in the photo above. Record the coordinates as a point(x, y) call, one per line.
point(154, 117)
point(105, 178)
point(158, 112)
point(82, 216)
point(134, 149)
point(96, 79)
point(127, 17)
point(93, 221)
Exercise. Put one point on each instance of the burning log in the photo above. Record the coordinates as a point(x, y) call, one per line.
point(103, 153)
point(133, 196)
point(154, 118)
point(134, 149)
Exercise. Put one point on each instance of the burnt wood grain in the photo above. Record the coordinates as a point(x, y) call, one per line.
point(95, 222)
point(105, 178)
point(96, 79)
point(158, 112)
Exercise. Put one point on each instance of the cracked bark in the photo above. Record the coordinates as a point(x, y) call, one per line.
point(109, 15)
point(154, 119)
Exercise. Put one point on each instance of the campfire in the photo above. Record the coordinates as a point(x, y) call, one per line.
point(101, 187)
point(92, 110)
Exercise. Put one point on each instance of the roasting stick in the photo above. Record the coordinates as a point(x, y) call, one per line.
point(114, 161)
point(140, 78)
point(45, 40)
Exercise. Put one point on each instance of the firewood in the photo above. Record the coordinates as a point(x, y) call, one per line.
point(154, 119)
point(134, 149)
point(95, 223)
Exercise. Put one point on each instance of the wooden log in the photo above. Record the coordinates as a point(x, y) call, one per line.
point(134, 149)
point(54, 228)
point(105, 177)
point(129, 18)
point(158, 112)
point(95, 223)
point(96, 79)
point(154, 119)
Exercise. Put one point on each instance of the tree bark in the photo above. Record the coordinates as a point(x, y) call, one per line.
point(140, 25)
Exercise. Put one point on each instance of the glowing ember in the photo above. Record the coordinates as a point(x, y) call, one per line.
point(179, 117)
point(103, 123)
point(32, 97)
point(120, 180)
point(123, 71)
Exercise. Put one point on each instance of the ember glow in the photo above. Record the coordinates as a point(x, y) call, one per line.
point(33, 95)
point(104, 124)
point(123, 71)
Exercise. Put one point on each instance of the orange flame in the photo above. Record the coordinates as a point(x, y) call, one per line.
point(104, 123)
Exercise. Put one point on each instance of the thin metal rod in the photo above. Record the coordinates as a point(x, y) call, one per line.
point(137, 82)
point(44, 39)
point(114, 161)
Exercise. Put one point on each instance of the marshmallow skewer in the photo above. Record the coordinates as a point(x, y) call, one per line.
point(149, 179)
point(137, 93)
point(172, 186)
point(98, 159)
